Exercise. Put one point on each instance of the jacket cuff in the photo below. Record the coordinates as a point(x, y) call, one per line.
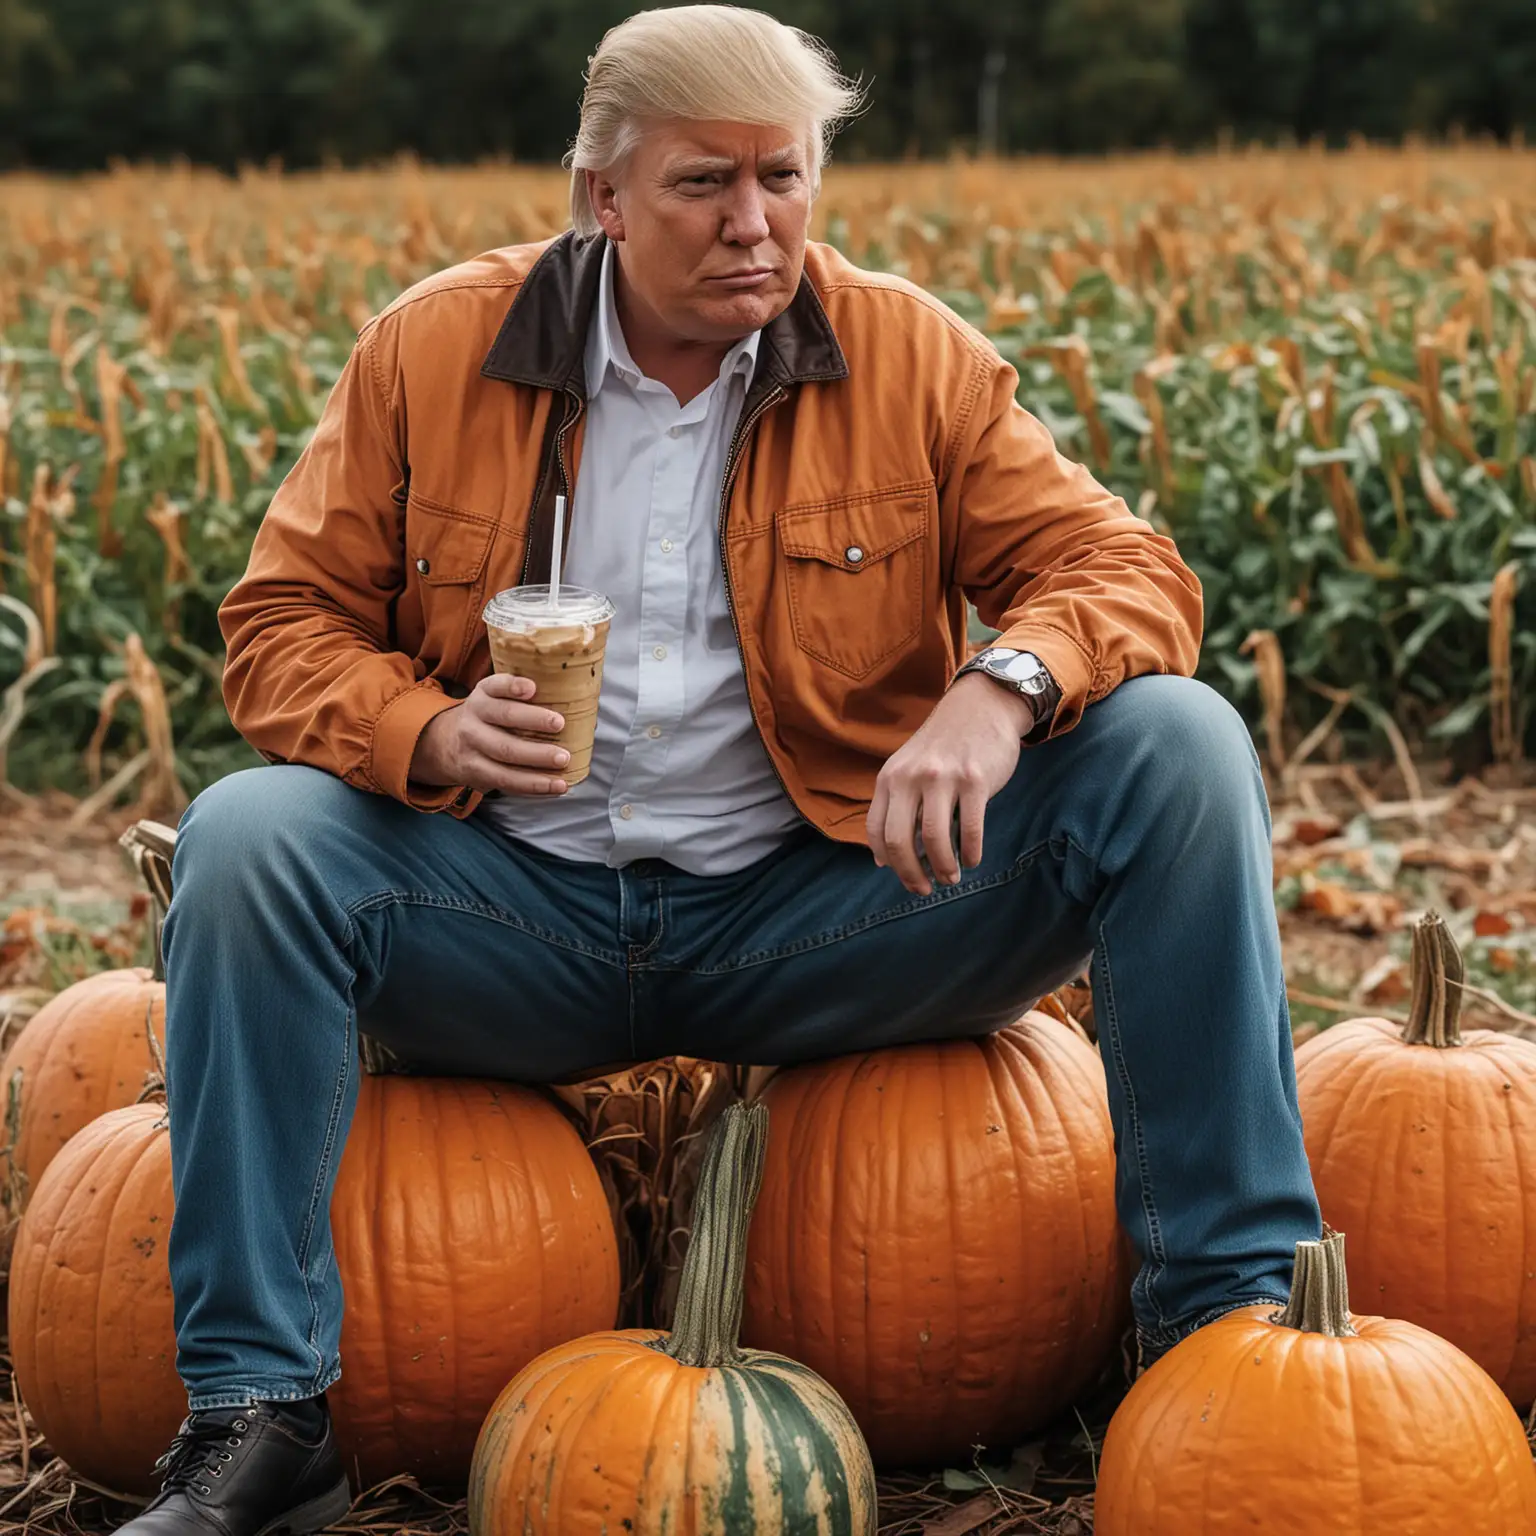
point(395, 734)
point(1069, 665)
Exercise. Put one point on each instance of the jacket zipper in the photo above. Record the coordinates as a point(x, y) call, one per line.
point(732, 461)
point(568, 419)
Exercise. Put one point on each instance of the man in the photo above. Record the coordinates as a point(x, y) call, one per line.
point(808, 827)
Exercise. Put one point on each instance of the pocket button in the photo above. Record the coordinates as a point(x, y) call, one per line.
point(853, 554)
point(424, 565)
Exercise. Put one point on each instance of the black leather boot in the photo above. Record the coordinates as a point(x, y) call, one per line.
point(246, 1472)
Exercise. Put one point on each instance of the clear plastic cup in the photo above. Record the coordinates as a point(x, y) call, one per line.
point(560, 646)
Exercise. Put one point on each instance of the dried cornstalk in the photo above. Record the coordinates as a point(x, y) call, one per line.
point(8, 384)
point(260, 453)
point(1428, 354)
point(160, 789)
point(1145, 386)
point(1501, 625)
point(303, 374)
point(212, 453)
point(52, 500)
point(644, 1127)
point(228, 322)
point(167, 518)
point(1269, 663)
point(110, 377)
point(1071, 359)
point(1434, 491)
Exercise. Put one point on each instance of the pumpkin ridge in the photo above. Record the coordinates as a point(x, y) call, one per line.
point(573, 1420)
point(772, 1396)
point(447, 1174)
point(134, 1173)
point(1527, 1286)
point(1066, 1080)
point(839, 1337)
point(738, 1507)
point(101, 1244)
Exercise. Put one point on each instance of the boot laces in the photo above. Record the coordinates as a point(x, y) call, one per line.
point(202, 1447)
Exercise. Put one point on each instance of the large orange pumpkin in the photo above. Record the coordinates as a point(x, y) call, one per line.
point(936, 1236)
point(84, 1052)
point(664, 1435)
point(471, 1228)
point(472, 1232)
point(91, 1337)
point(1311, 1422)
point(1420, 1141)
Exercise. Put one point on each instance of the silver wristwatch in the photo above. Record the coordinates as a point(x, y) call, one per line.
point(1023, 673)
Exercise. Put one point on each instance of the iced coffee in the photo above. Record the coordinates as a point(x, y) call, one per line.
point(559, 645)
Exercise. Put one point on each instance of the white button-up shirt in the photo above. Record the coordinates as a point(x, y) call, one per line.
point(678, 769)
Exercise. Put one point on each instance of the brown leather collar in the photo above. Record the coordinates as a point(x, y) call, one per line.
point(543, 340)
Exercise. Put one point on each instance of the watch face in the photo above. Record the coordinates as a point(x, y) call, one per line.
point(1019, 667)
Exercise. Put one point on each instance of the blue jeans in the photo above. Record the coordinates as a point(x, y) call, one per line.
point(305, 909)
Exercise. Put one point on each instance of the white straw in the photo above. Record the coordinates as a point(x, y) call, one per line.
point(555, 551)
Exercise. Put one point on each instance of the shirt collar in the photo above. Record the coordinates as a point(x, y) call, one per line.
point(607, 348)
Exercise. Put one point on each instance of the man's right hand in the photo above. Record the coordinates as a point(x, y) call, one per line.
point(473, 743)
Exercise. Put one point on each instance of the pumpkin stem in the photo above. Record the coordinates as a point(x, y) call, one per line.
point(1319, 1289)
point(1439, 974)
point(707, 1321)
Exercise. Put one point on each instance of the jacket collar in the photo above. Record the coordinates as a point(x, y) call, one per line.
point(543, 340)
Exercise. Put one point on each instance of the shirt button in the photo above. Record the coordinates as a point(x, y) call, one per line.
point(626, 811)
point(660, 653)
point(653, 731)
point(666, 546)
point(674, 431)
point(853, 554)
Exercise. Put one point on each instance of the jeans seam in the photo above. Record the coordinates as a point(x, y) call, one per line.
point(246, 1396)
point(381, 899)
point(939, 896)
point(327, 1152)
point(1157, 1253)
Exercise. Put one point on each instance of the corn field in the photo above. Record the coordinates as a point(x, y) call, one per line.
point(1317, 372)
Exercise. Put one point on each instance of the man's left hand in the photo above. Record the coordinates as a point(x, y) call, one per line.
point(961, 755)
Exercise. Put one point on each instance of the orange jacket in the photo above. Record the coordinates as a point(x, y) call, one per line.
point(877, 421)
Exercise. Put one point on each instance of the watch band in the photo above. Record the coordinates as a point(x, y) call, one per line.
point(1023, 673)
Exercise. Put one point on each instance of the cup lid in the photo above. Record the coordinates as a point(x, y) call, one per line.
point(521, 607)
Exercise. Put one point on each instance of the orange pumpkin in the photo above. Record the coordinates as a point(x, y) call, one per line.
point(84, 1052)
point(936, 1236)
point(87, 1050)
point(654, 1434)
point(472, 1232)
point(1313, 1422)
point(91, 1336)
point(1420, 1143)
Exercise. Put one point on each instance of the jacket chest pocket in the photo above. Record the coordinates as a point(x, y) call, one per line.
point(855, 574)
point(446, 554)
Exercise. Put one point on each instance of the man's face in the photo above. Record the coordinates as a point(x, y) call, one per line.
point(710, 220)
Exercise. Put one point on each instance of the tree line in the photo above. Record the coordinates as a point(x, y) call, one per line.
point(315, 81)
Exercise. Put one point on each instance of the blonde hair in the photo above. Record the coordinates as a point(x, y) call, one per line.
point(703, 63)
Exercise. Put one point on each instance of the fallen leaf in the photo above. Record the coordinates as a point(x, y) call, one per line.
point(1316, 829)
point(969, 1516)
point(1366, 912)
point(1385, 982)
point(1491, 924)
point(1018, 1476)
